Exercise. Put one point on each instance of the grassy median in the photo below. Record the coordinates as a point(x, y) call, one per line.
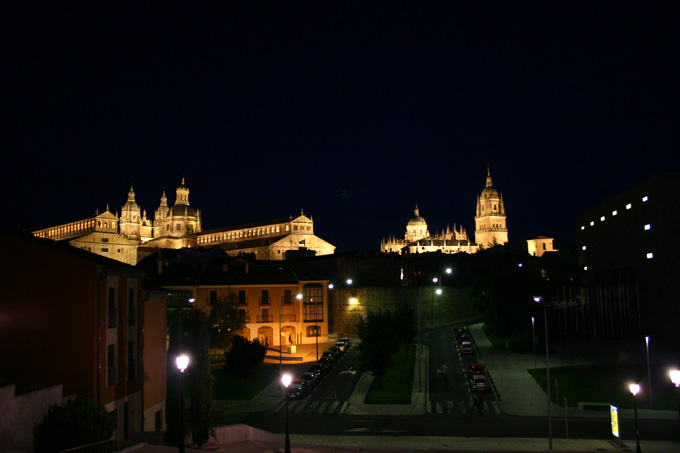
point(395, 387)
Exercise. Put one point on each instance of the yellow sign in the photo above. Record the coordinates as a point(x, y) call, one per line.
point(614, 411)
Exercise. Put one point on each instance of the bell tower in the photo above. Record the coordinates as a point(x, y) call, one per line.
point(490, 218)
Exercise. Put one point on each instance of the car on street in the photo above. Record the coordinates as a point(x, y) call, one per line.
point(325, 363)
point(331, 354)
point(297, 389)
point(466, 348)
point(343, 344)
point(318, 370)
point(476, 368)
point(311, 378)
point(478, 382)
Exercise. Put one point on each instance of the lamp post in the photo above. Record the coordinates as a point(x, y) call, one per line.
point(286, 380)
point(182, 362)
point(298, 297)
point(538, 299)
point(348, 282)
point(675, 379)
point(533, 336)
point(649, 373)
point(634, 390)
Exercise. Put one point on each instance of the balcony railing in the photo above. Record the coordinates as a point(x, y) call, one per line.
point(265, 318)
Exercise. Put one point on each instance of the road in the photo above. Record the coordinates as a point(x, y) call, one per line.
point(322, 410)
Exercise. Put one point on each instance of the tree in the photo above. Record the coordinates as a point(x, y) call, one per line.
point(378, 342)
point(78, 421)
point(405, 324)
point(195, 342)
point(226, 320)
point(244, 357)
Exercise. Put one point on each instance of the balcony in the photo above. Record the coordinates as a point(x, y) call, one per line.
point(291, 317)
point(265, 318)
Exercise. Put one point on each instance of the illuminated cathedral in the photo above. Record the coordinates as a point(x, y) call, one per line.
point(133, 235)
point(490, 229)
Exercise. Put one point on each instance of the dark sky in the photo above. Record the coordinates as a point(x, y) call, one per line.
point(352, 111)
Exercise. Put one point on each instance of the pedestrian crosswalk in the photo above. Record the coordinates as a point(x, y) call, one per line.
point(316, 407)
point(444, 407)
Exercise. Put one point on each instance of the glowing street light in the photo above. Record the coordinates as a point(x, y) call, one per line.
point(634, 390)
point(675, 379)
point(538, 299)
point(182, 362)
point(286, 379)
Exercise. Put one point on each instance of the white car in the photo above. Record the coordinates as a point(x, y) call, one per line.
point(466, 348)
point(479, 382)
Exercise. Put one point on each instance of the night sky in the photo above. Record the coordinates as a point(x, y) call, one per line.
point(351, 111)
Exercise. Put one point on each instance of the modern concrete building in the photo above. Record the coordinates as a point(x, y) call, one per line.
point(628, 254)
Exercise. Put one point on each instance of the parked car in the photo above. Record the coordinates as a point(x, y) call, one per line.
point(297, 389)
point(476, 368)
point(325, 363)
point(318, 370)
point(343, 344)
point(311, 378)
point(479, 382)
point(330, 354)
point(466, 348)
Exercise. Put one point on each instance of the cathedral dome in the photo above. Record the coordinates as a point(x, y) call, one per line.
point(490, 192)
point(183, 210)
point(416, 219)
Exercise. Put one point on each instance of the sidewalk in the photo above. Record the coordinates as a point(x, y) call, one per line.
point(521, 395)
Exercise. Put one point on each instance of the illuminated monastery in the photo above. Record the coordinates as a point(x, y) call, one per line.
point(490, 229)
point(132, 236)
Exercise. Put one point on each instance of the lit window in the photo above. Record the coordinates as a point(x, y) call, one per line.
point(615, 212)
point(585, 268)
point(592, 223)
point(648, 227)
point(583, 227)
point(602, 219)
point(629, 206)
point(584, 247)
point(650, 255)
point(645, 198)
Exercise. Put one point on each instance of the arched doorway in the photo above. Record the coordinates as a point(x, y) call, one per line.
point(288, 335)
point(265, 335)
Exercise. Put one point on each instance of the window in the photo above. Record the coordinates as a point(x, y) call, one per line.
point(629, 206)
point(648, 227)
point(111, 303)
point(105, 239)
point(132, 312)
point(650, 255)
point(615, 212)
point(242, 297)
point(313, 331)
point(264, 297)
point(131, 362)
point(287, 296)
point(645, 198)
point(110, 365)
point(213, 297)
point(312, 305)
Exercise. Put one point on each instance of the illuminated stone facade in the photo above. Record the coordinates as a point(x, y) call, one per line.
point(540, 245)
point(490, 223)
point(133, 235)
point(268, 240)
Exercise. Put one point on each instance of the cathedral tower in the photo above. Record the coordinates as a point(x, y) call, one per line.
point(490, 219)
point(130, 218)
point(416, 228)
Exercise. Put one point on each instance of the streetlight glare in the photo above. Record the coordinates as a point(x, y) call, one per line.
point(675, 377)
point(182, 362)
point(286, 379)
point(299, 296)
point(331, 286)
point(435, 280)
point(349, 281)
point(192, 300)
point(634, 389)
point(537, 298)
point(449, 270)
point(439, 291)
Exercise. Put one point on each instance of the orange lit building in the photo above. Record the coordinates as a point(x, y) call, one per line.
point(83, 321)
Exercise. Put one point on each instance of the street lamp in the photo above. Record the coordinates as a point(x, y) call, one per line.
point(182, 362)
point(538, 299)
point(298, 297)
point(286, 380)
point(348, 282)
point(675, 379)
point(634, 390)
point(533, 336)
point(649, 373)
